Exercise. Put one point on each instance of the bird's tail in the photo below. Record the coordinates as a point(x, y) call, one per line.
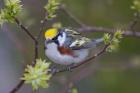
point(98, 41)
point(95, 42)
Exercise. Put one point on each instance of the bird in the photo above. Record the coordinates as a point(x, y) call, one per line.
point(66, 46)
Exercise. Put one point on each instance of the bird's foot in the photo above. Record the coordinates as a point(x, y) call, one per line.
point(54, 69)
point(69, 67)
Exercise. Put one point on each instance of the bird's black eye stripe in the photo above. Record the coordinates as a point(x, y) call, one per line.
point(55, 39)
point(59, 34)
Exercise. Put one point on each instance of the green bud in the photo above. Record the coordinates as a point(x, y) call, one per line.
point(114, 43)
point(57, 25)
point(38, 75)
point(74, 90)
point(136, 5)
point(11, 9)
point(51, 7)
point(107, 38)
point(118, 34)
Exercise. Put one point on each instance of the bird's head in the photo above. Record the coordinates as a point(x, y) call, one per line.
point(55, 35)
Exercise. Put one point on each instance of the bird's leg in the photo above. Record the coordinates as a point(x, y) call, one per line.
point(68, 67)
point(54, 69)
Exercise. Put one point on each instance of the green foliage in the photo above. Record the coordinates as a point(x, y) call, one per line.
point(106, 38)
point(114, 42)
point(51, 8)
point(57, 25)
point(38, 75)
point(136, 5)
point(12, 8)
point(74, 90)
point(118, 34)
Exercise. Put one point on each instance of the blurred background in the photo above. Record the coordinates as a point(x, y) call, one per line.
point(117, 72)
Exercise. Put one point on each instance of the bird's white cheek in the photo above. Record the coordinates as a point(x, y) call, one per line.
point(62, 39)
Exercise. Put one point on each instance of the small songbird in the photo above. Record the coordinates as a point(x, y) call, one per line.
point(65, 46)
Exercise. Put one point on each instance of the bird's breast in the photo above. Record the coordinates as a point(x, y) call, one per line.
point(65, 51)
point(62, 55)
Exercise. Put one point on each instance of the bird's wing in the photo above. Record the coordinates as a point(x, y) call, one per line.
point(75, 41)
point(79, 43)
point(84, 43)
point(72, 33)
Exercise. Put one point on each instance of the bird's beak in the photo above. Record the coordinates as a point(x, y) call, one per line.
point(48, 41)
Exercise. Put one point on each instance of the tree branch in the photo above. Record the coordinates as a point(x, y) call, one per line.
point(63, 8)
point(84, 28)
point(134, 21)
point(84, 62)
point(107, 30)
point(19, 85)
point(43, 22)
point(25, 29)
point(31, 36)
point(78, 76)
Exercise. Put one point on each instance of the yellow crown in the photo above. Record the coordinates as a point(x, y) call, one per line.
point(51, 33)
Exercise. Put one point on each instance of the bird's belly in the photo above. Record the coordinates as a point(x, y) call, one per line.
point(53, 54)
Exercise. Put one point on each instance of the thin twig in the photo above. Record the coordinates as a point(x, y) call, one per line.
point(77, 77)
point(134, 22)
point(84, 62)
point(19, 85)
point(25, 29)
point(63, 8)
point(108, 30)
point(31, 36)
point(43, 22)
point(84, 28)
point(103, 50)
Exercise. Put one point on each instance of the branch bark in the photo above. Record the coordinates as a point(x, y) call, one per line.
point(84, 28)
point(107, 30)
point(84, 62)
point(20, 84)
